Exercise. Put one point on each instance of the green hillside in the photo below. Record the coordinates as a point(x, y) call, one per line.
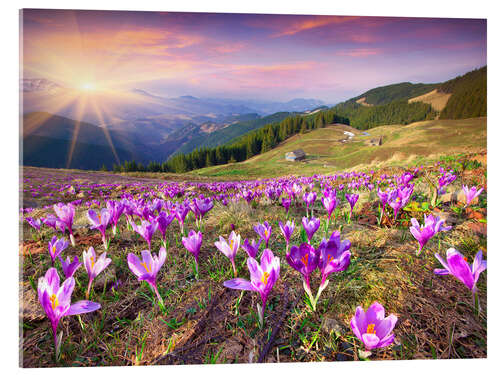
point(396, 92)
point(397, 112)
point(401, 145)
point(229, 133)
point(468, 97)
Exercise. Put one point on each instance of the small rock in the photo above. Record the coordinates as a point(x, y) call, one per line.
point(448, 197)
point(107, 277)
point(347, 348)
point(341, 357)
point(232, 349)
point(330, 325)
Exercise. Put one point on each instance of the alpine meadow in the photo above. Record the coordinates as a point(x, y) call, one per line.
point(208, 188)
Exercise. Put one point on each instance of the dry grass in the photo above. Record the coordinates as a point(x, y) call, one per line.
point(436, 99)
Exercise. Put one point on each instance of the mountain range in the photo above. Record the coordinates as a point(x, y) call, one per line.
point(64, 127)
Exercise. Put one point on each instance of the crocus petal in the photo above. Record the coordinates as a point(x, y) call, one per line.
point(385, 326)
point(358, 322)
point(441, 271)
point(239, 283)
point(386, 341)
point(134, 263)
point(370, 340)
point(460, 269)
point(442, 261)
point(52, 278)
point(375, 312)
point(82, 307)
point(254, 268)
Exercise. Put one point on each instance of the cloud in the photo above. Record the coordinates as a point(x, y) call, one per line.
point(360, 52)
point(312, 22)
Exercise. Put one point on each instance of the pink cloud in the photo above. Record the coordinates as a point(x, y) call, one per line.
point(360, 52)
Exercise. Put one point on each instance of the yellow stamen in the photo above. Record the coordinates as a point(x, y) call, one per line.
point(266, 233)
point(371, 329)
point(231, 244)
point(53, 301)
point(53, 249)
point(265, 276)
point(305, 259)
point(99, 217)
point(465, 258)
point(92, 262)
point(145, 266)
point(329, 258)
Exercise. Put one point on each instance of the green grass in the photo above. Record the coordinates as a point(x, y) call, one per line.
point(424, 141)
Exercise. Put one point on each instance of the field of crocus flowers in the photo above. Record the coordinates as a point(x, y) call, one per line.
point(366, 265)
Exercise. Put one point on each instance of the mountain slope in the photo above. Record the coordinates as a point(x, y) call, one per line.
point(44, 133)
point(396, 92)
point(468, 95)
point(231, 132)
point(401, 145)
point(40, 151)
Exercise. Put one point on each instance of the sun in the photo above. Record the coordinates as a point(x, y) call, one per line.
point(87, 86)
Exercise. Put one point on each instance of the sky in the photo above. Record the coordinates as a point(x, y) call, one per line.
point(245, 56)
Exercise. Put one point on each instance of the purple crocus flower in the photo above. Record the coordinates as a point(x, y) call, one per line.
point(352, 199)
point(309, 198)
point(35, 223)
point(330, 203)
point(69, 268)
point(372, 327)
point(458, 266)
point(310, 226)
point(54, 223)
point(445, 180)
point(116, 210)
point(180, 213)
point(399, 198)
point(148, 268)
point(230, 248)
point(286, 203)
point(334, 256)
point(100, 221)
point(263, 276)
point(193, 244)
point(304, 259)
point(251, 248)
point(287, 231)
point(203, 205)
point(66, 214)
point(384, 198)
point(264, 231)
point(56, 300)
point(433, 225)
point(93, 265)
point(163, 220)
point(146, 230)
point(56, 247)
point(471, 194)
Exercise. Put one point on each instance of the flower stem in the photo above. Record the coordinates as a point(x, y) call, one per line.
point(88, 289)
point(477, 307)
point(234, 268)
